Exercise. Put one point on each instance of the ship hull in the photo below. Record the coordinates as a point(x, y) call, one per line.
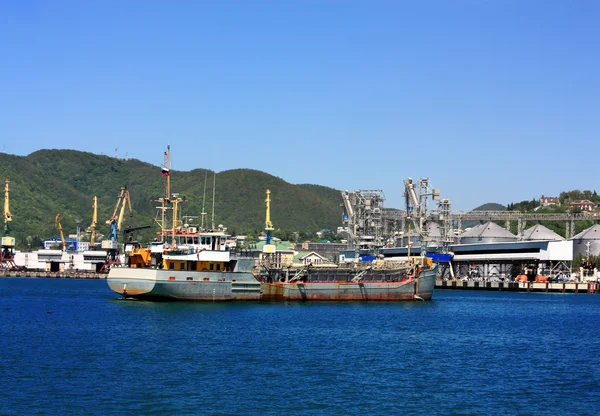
point(405, 290)
point(165, 285)
point(155, 284)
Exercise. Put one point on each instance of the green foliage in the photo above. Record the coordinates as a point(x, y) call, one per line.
point(567, 197)
point(524, 206)
point(332, 237)
point(48, 182)
point(580, 259)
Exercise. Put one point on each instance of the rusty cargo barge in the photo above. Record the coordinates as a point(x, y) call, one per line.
point(377, 282)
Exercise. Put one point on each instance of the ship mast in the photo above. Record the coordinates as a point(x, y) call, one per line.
point(164, 201)
point(168, 202)
point(203, 213)
point(166, 171)
point(213, 201)
point(175, 202)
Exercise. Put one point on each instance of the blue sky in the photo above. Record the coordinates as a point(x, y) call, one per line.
point(493, 100)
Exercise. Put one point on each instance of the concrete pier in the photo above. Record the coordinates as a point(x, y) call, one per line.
point(54, 275)
point(591, 288)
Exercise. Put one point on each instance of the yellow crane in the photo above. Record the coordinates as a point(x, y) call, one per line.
point(268, 247)
point(7, 246)
point(60, 230)
point(7, 214)
point(92, 228)
point(116, 222)
point(268, 223)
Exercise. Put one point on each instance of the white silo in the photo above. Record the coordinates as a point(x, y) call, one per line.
point(539, 232)
point(588, 237)
point(487, 233)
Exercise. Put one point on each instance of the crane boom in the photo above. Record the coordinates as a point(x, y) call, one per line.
point(60, 230)
point(116, 221)
point(7, 245)
point(94, 221)
point(126, 201)
point(412, 203)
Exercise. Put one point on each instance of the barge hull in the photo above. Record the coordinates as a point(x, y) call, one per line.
point(407, 290)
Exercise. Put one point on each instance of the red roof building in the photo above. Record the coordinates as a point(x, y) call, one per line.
point(546, 201)
point(583, 204)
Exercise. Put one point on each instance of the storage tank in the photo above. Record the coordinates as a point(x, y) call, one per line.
point(489, 232)
point(589, 235)
point(539, 232)
point(434, 236)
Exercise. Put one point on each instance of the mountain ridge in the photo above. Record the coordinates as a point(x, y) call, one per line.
point(51, 181)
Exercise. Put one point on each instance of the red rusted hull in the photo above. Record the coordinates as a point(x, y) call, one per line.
point(407, 290)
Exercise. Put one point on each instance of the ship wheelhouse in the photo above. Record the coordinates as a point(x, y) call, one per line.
point(202, 241)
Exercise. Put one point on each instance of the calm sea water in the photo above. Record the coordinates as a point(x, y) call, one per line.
point(72, 347)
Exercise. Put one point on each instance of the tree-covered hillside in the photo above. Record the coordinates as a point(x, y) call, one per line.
point(48, 182)
point(565, 199)
point(490, 206)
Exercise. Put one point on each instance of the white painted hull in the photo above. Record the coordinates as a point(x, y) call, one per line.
point(155, 284)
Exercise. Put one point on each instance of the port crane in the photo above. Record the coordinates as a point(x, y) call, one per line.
point(269, 257)
point(60, 230)
point(417, 209)
point(7, 214)
point(116, 221)
point(7, 246)
point(92, 227)
point(268, 223)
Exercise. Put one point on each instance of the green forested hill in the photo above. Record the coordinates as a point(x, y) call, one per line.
point(48, 182)
point(490, 206)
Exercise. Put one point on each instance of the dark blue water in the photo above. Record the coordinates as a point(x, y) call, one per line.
point(71, 347)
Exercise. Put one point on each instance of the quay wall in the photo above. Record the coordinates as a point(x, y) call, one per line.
point(53, 275)
point(575, 287)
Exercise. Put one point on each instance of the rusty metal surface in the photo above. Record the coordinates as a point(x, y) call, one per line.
point(348, 291)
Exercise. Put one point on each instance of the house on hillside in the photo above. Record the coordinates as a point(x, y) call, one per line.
point(305, 258)
point(546, 201)
point(583, 204)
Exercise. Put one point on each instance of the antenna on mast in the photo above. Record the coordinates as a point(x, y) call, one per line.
point(166, 199)
point(213, 201)
point(203, 213)
point(166, 173)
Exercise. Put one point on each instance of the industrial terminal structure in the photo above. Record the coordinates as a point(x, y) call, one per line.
point(484, 251)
